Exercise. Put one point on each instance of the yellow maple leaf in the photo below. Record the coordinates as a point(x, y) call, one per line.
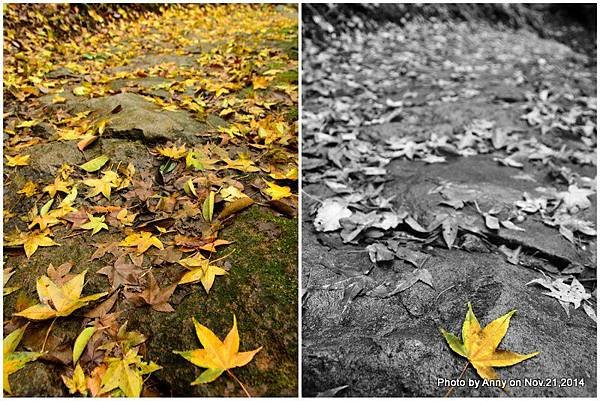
point(28, 124)
point(243, 163)
point(95, 224)
point(103, 185)
point(58, 186)
point(142, 241)
point(58, 301)
point(231, 193)
point(260, 83)
point(29, 189)
point(31, 241)
point(200, 270)
point(18, 160)
point(173, 152)
point(81, 91)
point(217, 356)
point(277, 192)
point(125, 374)
point(14, 361)
point(58, 99)
point(479, 345)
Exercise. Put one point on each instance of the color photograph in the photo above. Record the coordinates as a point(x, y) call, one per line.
point(150, 200)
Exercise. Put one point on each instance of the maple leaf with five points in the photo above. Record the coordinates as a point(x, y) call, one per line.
point(95, 224)
point(59, 301)
point(14, 361)
point(103, 185)
point(479, 345)
point(217, 356)
point(32, 241)
point(58, 186)
point(173, 152)
point(142, 241)
point(125, 374)
point(18, 160)
point(153, 295)
point(200, 269)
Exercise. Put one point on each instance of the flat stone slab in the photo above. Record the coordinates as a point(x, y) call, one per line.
point(141, 119)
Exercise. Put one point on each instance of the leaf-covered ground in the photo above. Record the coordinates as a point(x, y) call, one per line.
point(446, 163)
point(150, 179)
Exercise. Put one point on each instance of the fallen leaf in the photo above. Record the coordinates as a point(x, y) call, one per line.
point(200, 270)
point(330, 213)
point(14, 361)
point(95, 164)
point(59, 301)
point(153, 295)
point(216, 356)
point(479, 345)
point(142, 240)
point(95, 224)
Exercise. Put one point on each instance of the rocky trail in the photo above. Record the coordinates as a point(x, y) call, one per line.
point(152, 162)
point(446, 163)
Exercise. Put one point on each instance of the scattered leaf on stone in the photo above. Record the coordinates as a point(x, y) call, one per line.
point(142, 241)
point(95, 224)
point(153, 295)
point(59, 301)
point(200, 270)
point(566, 294)
point(217, 356)
point(95, 164)
point(479, 345)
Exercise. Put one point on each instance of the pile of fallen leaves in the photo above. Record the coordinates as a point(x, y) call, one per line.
point(166, 218)
point(363, 80)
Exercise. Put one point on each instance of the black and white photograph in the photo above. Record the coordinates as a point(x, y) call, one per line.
point(449, 200)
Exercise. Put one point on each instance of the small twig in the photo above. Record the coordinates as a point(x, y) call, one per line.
point(440, 294)
point(312, 196)
point(47, 334)
point(459, 377)
point(240, 383)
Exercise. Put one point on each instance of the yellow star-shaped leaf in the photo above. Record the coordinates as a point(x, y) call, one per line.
point(31, 241)
point(479, 345)
point(58, 186)
point(18, 160)
point(95, 224)
point(29, 189)
point(200, 270)
point(142, 241)
point(103, 185)
point(217, 356)
point(173, 152)
point(59, 301)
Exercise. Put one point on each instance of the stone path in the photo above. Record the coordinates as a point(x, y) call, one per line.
point(411, 121)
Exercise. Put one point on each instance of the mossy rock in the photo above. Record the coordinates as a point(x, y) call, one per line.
point(261, 289)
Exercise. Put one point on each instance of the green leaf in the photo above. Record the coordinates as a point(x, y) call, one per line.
point(208, 207)
point(82, 339)
point(189, 189)
point(44, 210)
point(95, 164)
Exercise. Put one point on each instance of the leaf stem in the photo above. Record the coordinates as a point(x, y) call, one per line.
point(47, 334)
point(459, 377)
point(240, 383)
